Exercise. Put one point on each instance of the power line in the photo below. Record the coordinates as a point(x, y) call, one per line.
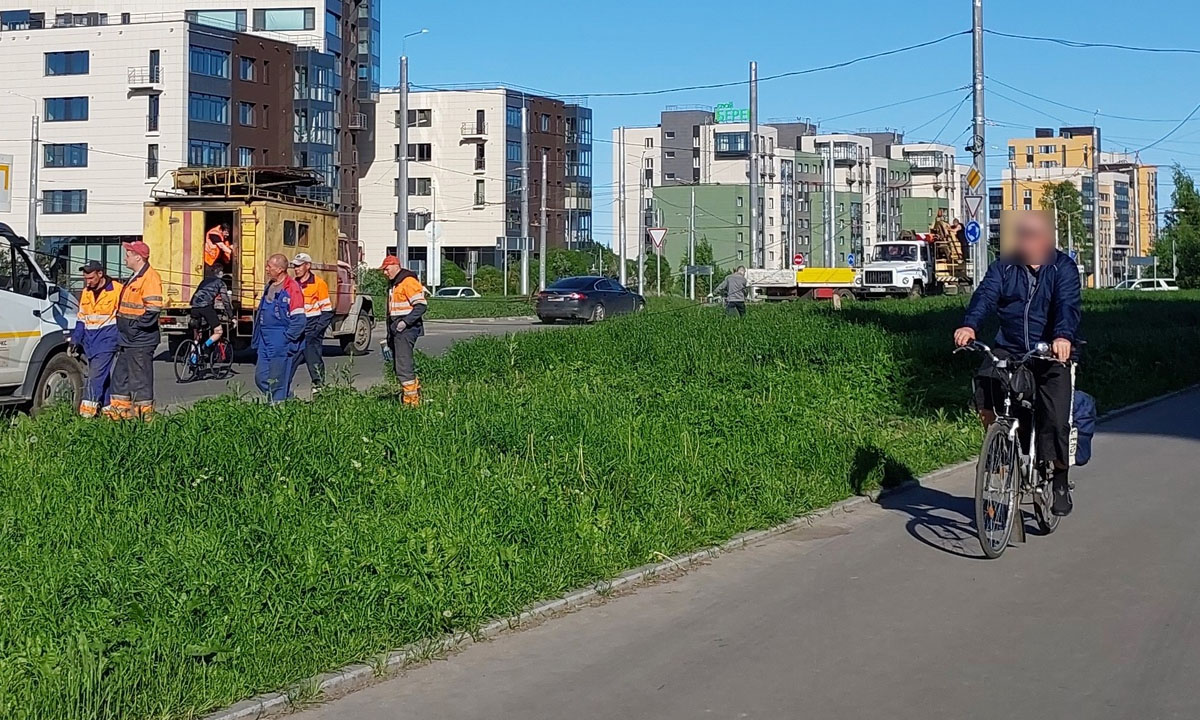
point(1173, 130)
point(1081, 110)
point(1079, 44)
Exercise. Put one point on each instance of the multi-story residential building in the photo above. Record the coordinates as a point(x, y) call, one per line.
point(120, 106)
point(333, 76)
point(935, 185)
point(465, 173)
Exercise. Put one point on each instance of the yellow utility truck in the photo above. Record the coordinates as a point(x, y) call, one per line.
point(265, 214)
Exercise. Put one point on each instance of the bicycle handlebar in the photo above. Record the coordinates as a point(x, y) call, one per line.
point(1040, 351)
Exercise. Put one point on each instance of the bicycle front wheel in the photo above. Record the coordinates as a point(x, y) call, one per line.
point(187, 361)
point(996, 479)
point(220, 360)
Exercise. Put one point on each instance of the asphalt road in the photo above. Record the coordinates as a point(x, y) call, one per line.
point(365, 371)
point(883, 612)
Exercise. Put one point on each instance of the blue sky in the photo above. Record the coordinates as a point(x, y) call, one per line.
point(621, 46)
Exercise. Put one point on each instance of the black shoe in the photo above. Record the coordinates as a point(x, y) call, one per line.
point(1062, 495)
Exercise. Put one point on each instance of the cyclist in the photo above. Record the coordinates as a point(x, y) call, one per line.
point(1034, 291)
point(209, 302)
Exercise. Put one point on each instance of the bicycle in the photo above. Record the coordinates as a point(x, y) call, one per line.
point(195, 361)
point(1009, 469)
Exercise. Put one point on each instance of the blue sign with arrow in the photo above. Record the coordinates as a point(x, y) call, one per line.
point(850, 260)
point(973, 232)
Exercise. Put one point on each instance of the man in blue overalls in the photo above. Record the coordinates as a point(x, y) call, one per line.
point(278, 331)
point(96, 334)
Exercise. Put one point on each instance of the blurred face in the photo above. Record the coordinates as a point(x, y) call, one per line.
point(1035, 237)
point(391, 271)
point(303, 269)
point(133, 261)
point(93, 280)
point(276, 271)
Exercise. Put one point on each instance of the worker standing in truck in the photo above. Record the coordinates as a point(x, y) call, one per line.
point(318, 311)
point(218, 250)
point(140, 304)
point(278, 331)
point(96, 335)
point(406, 311)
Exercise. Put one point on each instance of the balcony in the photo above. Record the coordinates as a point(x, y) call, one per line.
point(475, 131)
point(145, 79)
point(356, 121)
point(480, 200)
point(926, 163)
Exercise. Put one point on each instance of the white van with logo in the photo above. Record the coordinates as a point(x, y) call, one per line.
point(36, 320)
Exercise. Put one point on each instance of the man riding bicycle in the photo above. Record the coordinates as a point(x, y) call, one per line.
point(210, 302)
point(1034, 291)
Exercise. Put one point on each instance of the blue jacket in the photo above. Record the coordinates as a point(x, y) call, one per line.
point(279, 325)
point(1032, 307)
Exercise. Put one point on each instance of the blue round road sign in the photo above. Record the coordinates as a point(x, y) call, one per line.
point(850, 259)
point(973, 232)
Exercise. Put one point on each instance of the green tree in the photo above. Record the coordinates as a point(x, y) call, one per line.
point(704, 256)
point(452, 274)
point(1180, 239)
point(489, 280)
point(653, 275)
point(1066, 199)
point(567, 263)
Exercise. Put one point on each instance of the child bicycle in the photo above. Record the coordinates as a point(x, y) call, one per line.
point(1009, 472)
point(197, 359)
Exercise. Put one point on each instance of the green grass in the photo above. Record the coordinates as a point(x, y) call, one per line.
point(164, 570)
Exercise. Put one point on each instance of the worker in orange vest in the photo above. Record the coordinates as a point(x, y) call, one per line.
point(140, 304)
point(96, 335)
point(406, 309)
point(217, 249)
point(318, 313)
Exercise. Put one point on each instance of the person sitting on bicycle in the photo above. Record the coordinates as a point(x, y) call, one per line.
point(209, 302)
point(1034, 291)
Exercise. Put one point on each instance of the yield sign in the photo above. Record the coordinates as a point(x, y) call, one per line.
point(974, 206)
point(657, 235)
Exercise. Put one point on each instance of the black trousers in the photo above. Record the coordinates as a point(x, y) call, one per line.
point(403, 344)
point(133, 375)
point(1051, 405)
point(735, 308)
point(313, 355)
point(208, 315)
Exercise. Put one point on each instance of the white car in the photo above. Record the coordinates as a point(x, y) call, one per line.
point(457, 293)
point(1148, 285)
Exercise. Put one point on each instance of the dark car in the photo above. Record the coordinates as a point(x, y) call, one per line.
point(589, 298)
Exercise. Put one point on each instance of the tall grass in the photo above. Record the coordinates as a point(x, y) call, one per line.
point(163, 570)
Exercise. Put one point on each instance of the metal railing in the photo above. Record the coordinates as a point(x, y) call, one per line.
point(145, 76)
point(480, 164)
point(357, 121)
point(474, 129)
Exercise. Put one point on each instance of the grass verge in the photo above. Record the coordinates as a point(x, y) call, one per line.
point(163, 570)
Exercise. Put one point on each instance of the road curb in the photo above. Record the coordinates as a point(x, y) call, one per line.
point(483, 321)
point(359, 675)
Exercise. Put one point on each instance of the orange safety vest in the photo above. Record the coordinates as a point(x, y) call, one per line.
point(316, 296)
point(404, 295)
point(216, 246)
point(99, 310)
point(143, 294)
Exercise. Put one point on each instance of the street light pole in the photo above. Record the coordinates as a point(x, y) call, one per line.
point(402, 160)
point(34, 148)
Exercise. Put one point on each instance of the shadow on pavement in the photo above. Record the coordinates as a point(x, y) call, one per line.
point(938, 519)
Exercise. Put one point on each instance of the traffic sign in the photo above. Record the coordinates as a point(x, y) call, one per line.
point(973, 232)
point(657, 235)
point(433, 231)
point(974, 206)
point(798, 261)
point(515, 244)
point(973, 178)
point(850, 260)
point(698, 269)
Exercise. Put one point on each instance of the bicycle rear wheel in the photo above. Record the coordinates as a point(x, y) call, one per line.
point(187, 361)
point(220, 360)
point(996, 479)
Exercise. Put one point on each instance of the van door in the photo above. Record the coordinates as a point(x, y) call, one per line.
point(23, 301)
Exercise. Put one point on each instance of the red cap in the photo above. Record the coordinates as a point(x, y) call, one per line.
point(138, 248)
point(390, 261)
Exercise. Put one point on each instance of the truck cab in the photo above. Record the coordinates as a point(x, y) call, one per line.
point(36, 320)
point(901, 268)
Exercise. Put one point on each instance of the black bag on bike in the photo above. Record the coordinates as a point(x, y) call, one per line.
point(993, 384)
point(1083, 427)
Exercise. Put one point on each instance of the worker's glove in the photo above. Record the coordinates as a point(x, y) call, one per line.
point(73, 351)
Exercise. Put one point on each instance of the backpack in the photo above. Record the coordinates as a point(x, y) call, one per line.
point(1083, 427)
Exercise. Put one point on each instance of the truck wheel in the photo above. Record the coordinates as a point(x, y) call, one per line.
point(61, 381)
point(917, 291)
point(360, 342)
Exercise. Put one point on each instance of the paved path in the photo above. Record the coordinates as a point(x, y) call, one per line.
point(883, 612)
point(365, 371)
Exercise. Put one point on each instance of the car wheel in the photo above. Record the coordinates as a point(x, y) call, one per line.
point(61, 381)
point(640, 307)
point(598, 313)
point(547, 320)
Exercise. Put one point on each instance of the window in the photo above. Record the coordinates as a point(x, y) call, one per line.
point(227, 19)
point(208, 108)
point(206, 153)
point(418, 220)
point(289, 233)
point(670, 176)
point(65, 155)
point(544, 123)
point(670, 135)
point(420, 152)
point(64, 202)
point(512, 117)
point(209, 62)
point(285, 20)
point(740, 201)
point(732, 143)
point(152, 162)
point(741, 237)
point(512, 151)
point(741, 219)
point(649, 142)
point(70, 109)
point(649, 163)
point(741, 255)
point(76, 62)
point(302, 234)
point(1028, 194)
point(245, 157)
point(246, 114)
point(480, 193)
point(246, 69)
point(670, 154)
point(1047, 149)
point(420, 187)
point(1028, 204)
point(420, 118)
point(152, 114)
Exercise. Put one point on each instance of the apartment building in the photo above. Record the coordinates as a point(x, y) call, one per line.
point(465, 173)
point(334, 77)
point(120, 106)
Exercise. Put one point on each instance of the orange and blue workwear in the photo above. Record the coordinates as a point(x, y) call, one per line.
point(279, 328)
point(96, 335)
point(139, 306)
point(318, 313)
point(406, 310)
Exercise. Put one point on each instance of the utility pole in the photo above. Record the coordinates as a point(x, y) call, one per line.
point(755, 261)
point(621, 222)
point(34, 146)
point(542, 244)
point(691, 278)
point(524, 197)
point(827, 208)
point(979, 126)
point(658, 255)
point(641, 246)
point(1054, 199)
point(1098, 282)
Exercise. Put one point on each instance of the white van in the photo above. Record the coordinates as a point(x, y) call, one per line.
point(36, 320)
